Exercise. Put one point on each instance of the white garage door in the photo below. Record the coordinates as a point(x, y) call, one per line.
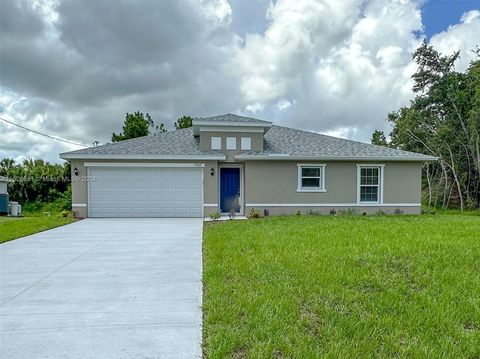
point(145, 192)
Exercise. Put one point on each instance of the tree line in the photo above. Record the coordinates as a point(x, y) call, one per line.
point(36, 180)
point(137, 125)
point(443, 120)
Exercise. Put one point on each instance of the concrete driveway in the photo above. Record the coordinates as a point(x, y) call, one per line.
point(103, 288)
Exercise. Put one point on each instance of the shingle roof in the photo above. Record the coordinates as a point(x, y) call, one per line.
point(174, 144)
point(230, 117)
point(279, 143)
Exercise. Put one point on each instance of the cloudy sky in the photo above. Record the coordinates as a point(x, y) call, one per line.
point(72, 69)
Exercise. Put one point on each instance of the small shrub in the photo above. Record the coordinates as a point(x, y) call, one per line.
point(65, 214)
point(380, 213)
point(333, 212)
point(364, 213)
point(253, 213)
point(266, 212)
point(428, 210)
point(398, 211)
point(298, 213)
point(215, 216)
point(347, 212)
point(470, 204)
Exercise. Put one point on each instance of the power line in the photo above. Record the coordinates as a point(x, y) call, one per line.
point(41, 133)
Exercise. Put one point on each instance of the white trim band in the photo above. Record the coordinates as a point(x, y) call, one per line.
point(79, 205)
point(284, 157)
point(144, 164)
point(210, 205)
point(333, 205)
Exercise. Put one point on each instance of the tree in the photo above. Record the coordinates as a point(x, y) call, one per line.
point(444, 121)
point(183, 122)
point(135, 125)
point(160, 128)
point(379, 139)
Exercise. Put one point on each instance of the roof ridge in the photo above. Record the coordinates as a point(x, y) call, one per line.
point(233, 115)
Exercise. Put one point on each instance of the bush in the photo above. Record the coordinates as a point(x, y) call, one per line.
point(298, 213)
point(253, 213)
point(65, 214)
point(428, 210)
point(347, 212)
point(215, 216)
point(470, 204)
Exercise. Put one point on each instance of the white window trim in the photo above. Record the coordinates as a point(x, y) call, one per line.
point(215, 138)
point(245, 147)
point(228, 147)
point(322, 177)
point(380, 166)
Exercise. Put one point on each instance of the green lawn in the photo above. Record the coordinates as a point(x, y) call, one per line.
point(343, 287)
point(12, 228)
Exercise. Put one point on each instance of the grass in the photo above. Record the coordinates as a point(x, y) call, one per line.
point(343, 287)
point(13, 228)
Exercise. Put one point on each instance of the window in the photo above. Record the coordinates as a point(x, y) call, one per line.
point(246, 143)
point(231, 143)
point(216, 143)
point(311, 178)
point(370, 184)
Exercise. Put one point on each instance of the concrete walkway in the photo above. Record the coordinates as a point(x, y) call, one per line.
point(103, 288)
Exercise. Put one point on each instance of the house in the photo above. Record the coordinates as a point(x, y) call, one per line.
point(235, 163)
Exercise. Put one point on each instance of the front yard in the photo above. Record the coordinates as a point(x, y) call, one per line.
point(13, 227)
point(343, 287)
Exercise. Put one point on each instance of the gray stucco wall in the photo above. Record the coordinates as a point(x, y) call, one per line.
point(256, 141)
point(278, 184)
point(275, 182)
point(80, 183)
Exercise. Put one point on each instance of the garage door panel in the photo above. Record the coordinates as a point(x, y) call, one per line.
point(145, 192)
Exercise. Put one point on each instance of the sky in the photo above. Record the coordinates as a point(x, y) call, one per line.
point(72, 69)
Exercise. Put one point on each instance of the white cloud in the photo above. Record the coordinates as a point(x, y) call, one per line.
point(284, 104)
point(345, 65)
point(73, 69)
point(463, 36)
point(218, 11)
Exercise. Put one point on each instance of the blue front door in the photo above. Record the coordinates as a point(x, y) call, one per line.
point(230, 189)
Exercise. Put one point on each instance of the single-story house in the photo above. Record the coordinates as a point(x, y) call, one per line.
point(235, 163)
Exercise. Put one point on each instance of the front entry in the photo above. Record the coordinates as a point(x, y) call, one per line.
point(230, 189)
